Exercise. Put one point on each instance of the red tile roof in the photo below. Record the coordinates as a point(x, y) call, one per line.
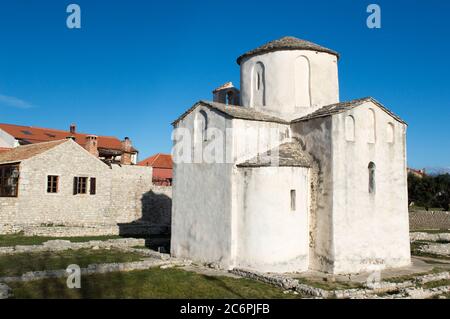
point(24, 152)
point(33, 135)
point(158, 161)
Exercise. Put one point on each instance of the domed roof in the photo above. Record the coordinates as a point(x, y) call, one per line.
point(286, 43)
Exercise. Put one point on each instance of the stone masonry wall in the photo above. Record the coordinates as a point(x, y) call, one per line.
point(124, 194)
point(429, 220)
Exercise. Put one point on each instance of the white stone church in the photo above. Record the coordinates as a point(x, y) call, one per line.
point(308, 183)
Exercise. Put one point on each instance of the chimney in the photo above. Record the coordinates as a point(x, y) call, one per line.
point(227, 94)
point(73, 128)
point(125, 159)
point(92, 145)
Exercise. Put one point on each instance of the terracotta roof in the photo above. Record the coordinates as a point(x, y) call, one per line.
point(345, 106)
point(287, 154)
point(158, 161)
point(286, 43)
point(4, 149)
point(24, 152)
point(31, 134)
point(239, 112)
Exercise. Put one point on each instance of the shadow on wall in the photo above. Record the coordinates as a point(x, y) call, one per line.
point(155, 220)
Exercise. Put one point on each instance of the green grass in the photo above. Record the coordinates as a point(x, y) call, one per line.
point(152, 283)
point(434, 284)
point(17, 264)
point(20, 239)
point(413, 276)
point(415, 246)
point(328, 285)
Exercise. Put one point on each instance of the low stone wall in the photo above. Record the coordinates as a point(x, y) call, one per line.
point(5, 291)
point(60, 245)
point(419, 220)
point(439, 237)
point(436, 249)
point(138, 228)
point(370, 291)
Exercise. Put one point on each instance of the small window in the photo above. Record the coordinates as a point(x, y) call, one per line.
point(52, 184)
point(79, 185)
point(9, 180)
point(93, 186)
point(350, 128)
point(390, 136)
point(293, 200)
point(371, 127)
point(372, 184)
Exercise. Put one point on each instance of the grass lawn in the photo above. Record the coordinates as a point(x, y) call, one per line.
point(413, 276)
point(415, 246)
point(439, 283)
point(18, 264)
point(152, 283)
point(329, 285)
point(19, 239)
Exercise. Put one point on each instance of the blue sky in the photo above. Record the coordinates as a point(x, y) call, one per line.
point(136, 65)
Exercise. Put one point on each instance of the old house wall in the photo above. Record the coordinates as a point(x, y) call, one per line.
point(201, 206)
point(370, 230)
point(315, 137)
point(272, 234)
point(129, 185)
point(119, 192)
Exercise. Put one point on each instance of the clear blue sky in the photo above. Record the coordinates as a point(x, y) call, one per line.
point(136, 65)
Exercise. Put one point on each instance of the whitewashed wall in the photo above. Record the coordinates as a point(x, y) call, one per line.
point(286, 81)
point(315, 136)
point(201, 206)
point(370, 231)
point(270, 236)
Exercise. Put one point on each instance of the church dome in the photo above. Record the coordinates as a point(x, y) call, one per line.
point(286, 43)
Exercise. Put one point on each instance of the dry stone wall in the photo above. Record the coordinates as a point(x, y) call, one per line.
point(124, 196)
point(420, 220)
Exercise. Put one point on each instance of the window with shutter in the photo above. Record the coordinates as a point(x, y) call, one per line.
point(93, 186)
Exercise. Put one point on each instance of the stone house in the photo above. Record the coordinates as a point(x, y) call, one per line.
point(306, 182)
point(162, 168)
point(108, 148)
point(61, 188)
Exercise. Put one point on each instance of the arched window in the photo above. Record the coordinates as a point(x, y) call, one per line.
point(372, 182)
point(201, 126)
point(258, 85)
point(390, 133)
point(350, 128)
point(302, 82)
point(371, 126)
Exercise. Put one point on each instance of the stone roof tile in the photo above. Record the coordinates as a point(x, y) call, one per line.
point(233, 111)
point(345, 106)
point(286, 43)
point(287, 154)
